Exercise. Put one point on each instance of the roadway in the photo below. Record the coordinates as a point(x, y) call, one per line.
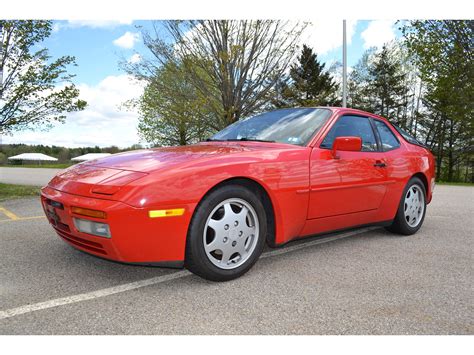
point(27, 176)
point(366, 281)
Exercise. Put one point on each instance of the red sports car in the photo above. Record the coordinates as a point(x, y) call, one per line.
point(271, 178)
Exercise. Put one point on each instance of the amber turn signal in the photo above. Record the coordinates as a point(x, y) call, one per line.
point(166, 213)
point(88, 212)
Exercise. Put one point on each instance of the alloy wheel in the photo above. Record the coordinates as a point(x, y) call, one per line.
point(414, 205)
point(231, 233)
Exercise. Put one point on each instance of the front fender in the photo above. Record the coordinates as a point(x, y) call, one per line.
point(284, 174)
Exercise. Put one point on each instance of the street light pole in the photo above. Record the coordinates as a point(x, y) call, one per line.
point(344, 65)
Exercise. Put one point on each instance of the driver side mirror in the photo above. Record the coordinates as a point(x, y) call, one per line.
point(349, 144)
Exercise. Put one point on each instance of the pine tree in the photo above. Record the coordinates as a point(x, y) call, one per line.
point(308, 84)
point(378, 84)
point(282, 95)
point(359, 83)
point(388, 84)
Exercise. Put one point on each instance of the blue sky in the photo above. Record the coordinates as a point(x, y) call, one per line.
point(99, 46)
point(92, 43)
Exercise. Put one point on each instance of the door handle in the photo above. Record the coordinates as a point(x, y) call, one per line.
point(380, 164)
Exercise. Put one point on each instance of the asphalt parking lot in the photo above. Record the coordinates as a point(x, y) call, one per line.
point(366, 281)
point(27, 176)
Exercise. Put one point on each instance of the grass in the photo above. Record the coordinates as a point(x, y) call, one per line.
point(9, 191)
point(49, 166)
point(454, 183)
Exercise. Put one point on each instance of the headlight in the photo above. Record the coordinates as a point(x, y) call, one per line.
point(112, 184)
point(91, 227)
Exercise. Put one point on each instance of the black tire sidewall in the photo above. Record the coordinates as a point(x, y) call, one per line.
point(196, 259)
point(400, 224)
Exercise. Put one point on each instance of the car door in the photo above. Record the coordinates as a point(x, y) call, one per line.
point(351, 182)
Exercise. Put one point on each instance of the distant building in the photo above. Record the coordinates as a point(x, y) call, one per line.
point(90, 156)
point(39, 157)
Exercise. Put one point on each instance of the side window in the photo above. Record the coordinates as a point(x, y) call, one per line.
point(389, 141)
point(409, 138)
point(355, 126)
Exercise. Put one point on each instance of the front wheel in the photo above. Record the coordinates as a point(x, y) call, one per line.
point(226, 234)
point(411, 210)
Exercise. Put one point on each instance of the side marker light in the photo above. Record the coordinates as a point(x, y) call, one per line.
point(166, 213)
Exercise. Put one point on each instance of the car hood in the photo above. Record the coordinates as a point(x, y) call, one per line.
point(105, 176)
point(150, 160)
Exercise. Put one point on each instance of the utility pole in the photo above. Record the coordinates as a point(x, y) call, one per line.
point(344, 65)
point(1, 60)
point(1, 70)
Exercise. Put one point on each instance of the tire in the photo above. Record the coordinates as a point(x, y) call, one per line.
point(227, 234)
point(411, 210)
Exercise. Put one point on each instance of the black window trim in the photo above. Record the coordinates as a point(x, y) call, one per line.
point(374, 131)
point(379, 139)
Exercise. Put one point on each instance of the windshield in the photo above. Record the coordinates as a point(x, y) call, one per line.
point(293, 126)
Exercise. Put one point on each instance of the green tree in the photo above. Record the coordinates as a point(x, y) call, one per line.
point(388, 86)
point(63, 155)
point(378, 84)
point(359, 81)
point(443, 53)
point(309, 83)
point(172, 111)
point(3, 158)
point(112, 150)
point(36, 90)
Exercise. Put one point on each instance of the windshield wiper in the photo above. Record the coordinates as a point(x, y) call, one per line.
point(248, 139)
point(242, 139)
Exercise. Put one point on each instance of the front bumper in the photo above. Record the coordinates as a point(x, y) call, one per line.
point(136, 238)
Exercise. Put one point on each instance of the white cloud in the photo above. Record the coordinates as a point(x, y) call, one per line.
point(98, 23)
point(321, 35)
point(104, 122)
point(128, 40)
point(103, 24)
point(326, 35)
point(135, 58)
point(378, 32)
point(104, 98)
point(56, 27)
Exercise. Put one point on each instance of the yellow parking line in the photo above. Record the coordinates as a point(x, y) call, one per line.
point(9, 214)
point(32, 217)
point(21, 219)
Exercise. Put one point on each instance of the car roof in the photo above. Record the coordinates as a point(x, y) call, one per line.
point(334, 109)
point(342, 110)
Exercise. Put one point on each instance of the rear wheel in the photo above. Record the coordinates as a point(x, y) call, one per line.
point(227, 234)
point(411, 210)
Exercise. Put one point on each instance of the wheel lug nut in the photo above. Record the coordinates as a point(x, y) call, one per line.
point(234, 243)
point(240, 233)
point(225, 239)
point(226, 227)
point(236, 223)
